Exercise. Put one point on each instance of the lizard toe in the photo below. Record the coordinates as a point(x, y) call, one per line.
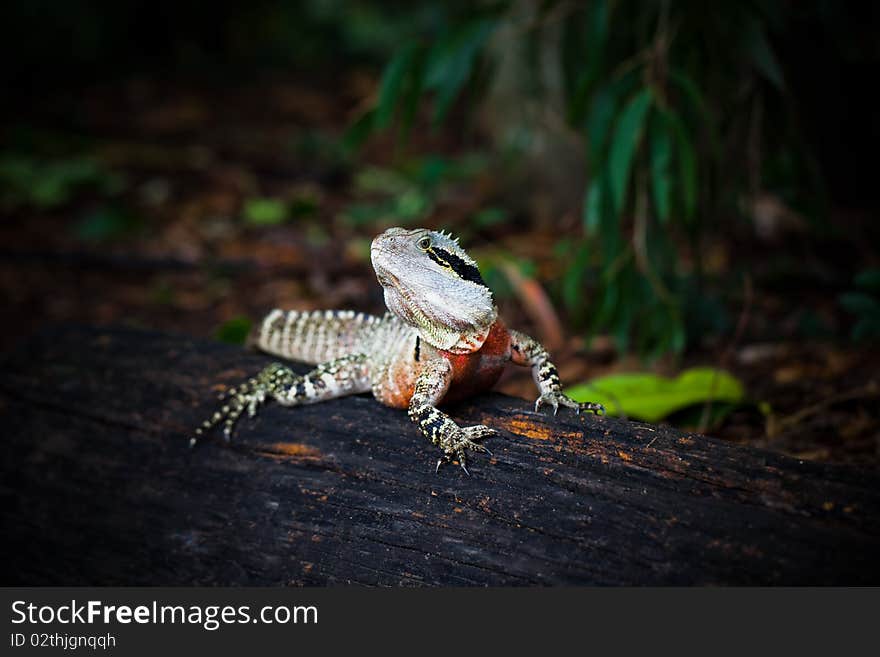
point(557, 399)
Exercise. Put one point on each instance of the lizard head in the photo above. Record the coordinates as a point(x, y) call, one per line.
point(433, 285)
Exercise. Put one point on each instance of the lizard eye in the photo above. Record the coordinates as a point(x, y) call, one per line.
point(424, 243)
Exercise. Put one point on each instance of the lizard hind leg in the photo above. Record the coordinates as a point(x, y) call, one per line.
point(248, 395)
point(343, 376)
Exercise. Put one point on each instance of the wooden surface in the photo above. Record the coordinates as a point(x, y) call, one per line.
point(99, 487)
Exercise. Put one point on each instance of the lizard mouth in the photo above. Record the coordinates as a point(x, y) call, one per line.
point(387, 279)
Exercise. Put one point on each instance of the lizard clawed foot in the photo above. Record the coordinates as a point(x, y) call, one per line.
point(246, 397)
point(463, 439)
point(557, 399)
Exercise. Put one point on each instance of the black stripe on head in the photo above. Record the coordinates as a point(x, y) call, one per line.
point(464, 269)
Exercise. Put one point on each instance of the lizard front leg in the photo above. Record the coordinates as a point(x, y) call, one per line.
point(435, 425)
point(529, 352)
point(336, 378)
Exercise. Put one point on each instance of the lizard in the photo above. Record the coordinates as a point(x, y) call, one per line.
point(441, 340)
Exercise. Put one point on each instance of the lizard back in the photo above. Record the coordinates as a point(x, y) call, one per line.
point(315, 336)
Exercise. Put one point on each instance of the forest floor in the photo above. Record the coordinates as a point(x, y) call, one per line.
point(171, 222)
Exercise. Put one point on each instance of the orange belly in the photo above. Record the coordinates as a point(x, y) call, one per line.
point(479, 370)
point(471, 373)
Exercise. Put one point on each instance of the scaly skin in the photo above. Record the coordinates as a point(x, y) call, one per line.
point(442, 340)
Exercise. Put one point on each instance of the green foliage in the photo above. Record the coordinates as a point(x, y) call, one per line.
point(450, 62)
point(106, 223)
point(323, 151)
point(409, 192)
point(264, 211)
point(269, 211)
point(387, 193)
point(46, 184)
point(658, 91)
point(234, 331)
point(627, 135)
point(864, 303)
point(651, 398)
point(490, 217)
point(439, 69)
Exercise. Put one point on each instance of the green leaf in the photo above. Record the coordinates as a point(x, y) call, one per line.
point(574, 279)
point(861, 304)
point(264, 211)
point(691, 90)
point(490, 217)
point(358, 132)
point(412, 94)
point(106, 223)
point(651, 398)
point(869, 280)
point(623, 146)
point(391, 85)
point(622, 313)
point(49, 184)
point(451, 61)
point(607, 306)
point(700, 106)
point(679, 336)
point(432, 170)
point(359, 214)
point(50, 191)
point(762, 56)
point(304, 205)
point(234, 331)
point(379, 180)
point(591, 60)
point(867, 329)
point(687, 164)
point(661, 163)
point(411, 204)
point(598, 124)
point(593, 205)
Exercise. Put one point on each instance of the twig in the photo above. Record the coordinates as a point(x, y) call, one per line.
point(867, 391)
point(537, 305)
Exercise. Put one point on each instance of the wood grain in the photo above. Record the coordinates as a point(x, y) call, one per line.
point(99, 488)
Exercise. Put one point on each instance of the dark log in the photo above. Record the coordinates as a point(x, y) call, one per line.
point(100, 488)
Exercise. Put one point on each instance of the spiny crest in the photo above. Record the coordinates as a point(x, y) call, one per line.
point(445, 240)
point(448, 236)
